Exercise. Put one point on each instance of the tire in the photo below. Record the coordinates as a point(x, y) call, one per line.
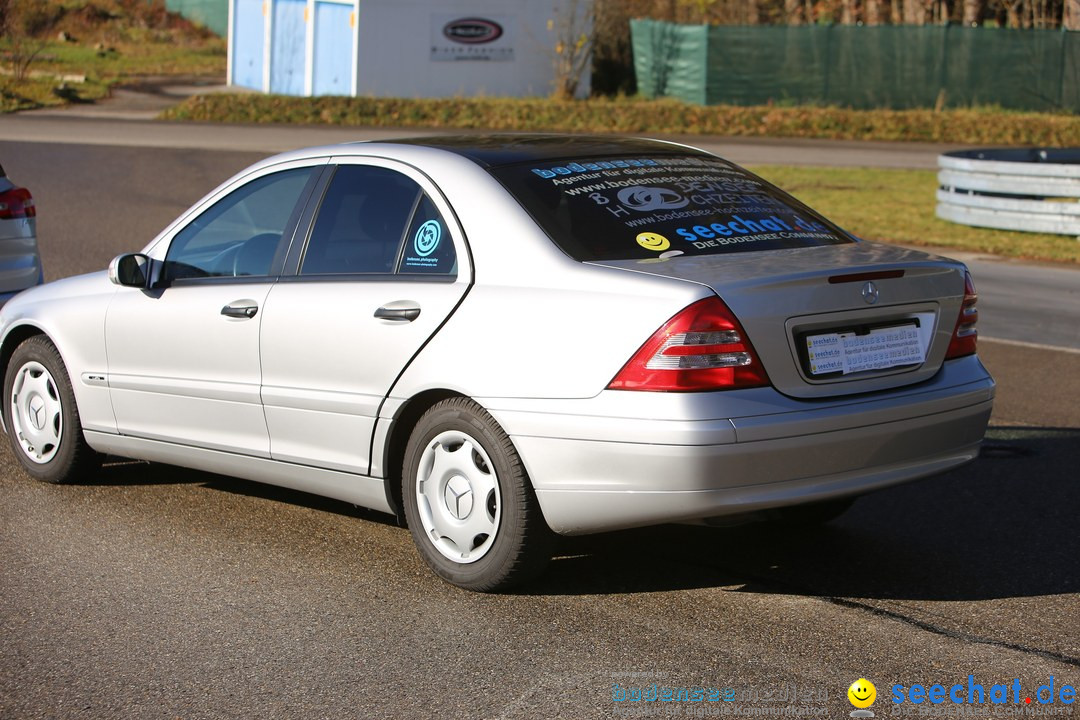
point(41, 416)
point(811, 515)
point(456, 454)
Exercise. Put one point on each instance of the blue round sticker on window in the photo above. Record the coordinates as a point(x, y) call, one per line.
point(427, 238)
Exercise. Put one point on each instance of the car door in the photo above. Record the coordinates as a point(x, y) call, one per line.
point(383, 267)
point(184, 355)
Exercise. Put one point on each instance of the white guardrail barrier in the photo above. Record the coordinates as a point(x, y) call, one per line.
point(1033, 190)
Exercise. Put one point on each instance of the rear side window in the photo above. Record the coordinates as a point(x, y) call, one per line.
point(373, 220)
point(618, 208)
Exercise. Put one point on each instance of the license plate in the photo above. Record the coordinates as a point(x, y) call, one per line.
point(878, 349)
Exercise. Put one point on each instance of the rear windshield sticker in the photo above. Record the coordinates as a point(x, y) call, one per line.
point(646, 199)
point(653, 241)
point(695, 204)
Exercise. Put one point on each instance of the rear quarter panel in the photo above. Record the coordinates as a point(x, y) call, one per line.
point(535, 323)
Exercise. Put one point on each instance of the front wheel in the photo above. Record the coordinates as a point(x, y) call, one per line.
point(42, 418)
point(469, 504)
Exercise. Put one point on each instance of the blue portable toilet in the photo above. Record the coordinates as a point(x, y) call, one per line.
point(398, 48)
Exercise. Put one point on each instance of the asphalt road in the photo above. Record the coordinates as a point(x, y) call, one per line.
point(1030, 303)
point(61, 126)
point(163, 593)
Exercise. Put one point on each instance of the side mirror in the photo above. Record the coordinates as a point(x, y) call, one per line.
point(130, 270)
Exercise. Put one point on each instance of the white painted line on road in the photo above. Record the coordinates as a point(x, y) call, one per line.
point(1033, 346)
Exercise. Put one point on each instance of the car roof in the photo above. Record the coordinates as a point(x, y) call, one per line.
point(491, 151)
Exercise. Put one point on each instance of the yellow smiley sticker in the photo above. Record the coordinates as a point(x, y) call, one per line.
point(862, 693)
point(653, 241)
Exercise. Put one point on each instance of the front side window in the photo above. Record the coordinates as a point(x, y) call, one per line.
point(377, 221)
point(239, 235)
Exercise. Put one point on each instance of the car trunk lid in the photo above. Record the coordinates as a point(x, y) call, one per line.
point(836, 319)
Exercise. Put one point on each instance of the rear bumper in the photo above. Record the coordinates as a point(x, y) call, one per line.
point(21, 281)
point(694, 456)
point(20, 260)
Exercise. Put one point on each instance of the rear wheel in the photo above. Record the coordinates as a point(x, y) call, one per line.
point(42, 418)
point(469, 504)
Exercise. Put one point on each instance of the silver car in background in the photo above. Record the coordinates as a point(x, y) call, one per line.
point(500, 339)
point(20, 263)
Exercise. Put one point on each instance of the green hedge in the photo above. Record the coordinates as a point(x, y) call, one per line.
point(667, 117)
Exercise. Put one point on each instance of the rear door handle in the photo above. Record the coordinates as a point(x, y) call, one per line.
point(240, 309)
point(398, 312)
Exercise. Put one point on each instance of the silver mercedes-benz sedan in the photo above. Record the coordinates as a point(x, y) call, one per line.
point(500, 339)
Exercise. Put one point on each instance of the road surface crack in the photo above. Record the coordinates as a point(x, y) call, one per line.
point(952, 634)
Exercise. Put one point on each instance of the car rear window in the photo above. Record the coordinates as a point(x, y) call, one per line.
point(624, 208)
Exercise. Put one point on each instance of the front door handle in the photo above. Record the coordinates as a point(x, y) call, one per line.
point(404, 313)
point(240, 309)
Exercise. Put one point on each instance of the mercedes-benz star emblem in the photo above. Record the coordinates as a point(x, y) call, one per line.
point(458, 497)
point(870, 293)
point(37, 406)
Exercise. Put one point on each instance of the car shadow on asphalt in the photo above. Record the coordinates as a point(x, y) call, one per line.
point(121, 472)
point(1003, 526)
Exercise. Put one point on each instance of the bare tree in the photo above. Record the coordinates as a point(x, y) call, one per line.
point(1013, 15)
point(753, 13)
point(793, 12)
point(21, 22)
point(847, 12)
point(914, 12)
point(1071, 19)
point(973, 11)
point(573, 28)
point(872, 12)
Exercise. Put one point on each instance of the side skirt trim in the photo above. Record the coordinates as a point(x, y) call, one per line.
point(357, 489)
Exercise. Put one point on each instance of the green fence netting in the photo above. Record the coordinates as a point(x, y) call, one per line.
point(214, 14)
point(886, 66)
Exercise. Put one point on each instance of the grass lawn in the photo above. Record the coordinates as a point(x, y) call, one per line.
point(204, 57)
point(104, 68)
point(897, 206)
point(78, 49)
point(39, 92)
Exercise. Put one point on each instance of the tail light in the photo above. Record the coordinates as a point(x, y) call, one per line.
point(701, 348)
point(16, 203)
point(965, 334)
